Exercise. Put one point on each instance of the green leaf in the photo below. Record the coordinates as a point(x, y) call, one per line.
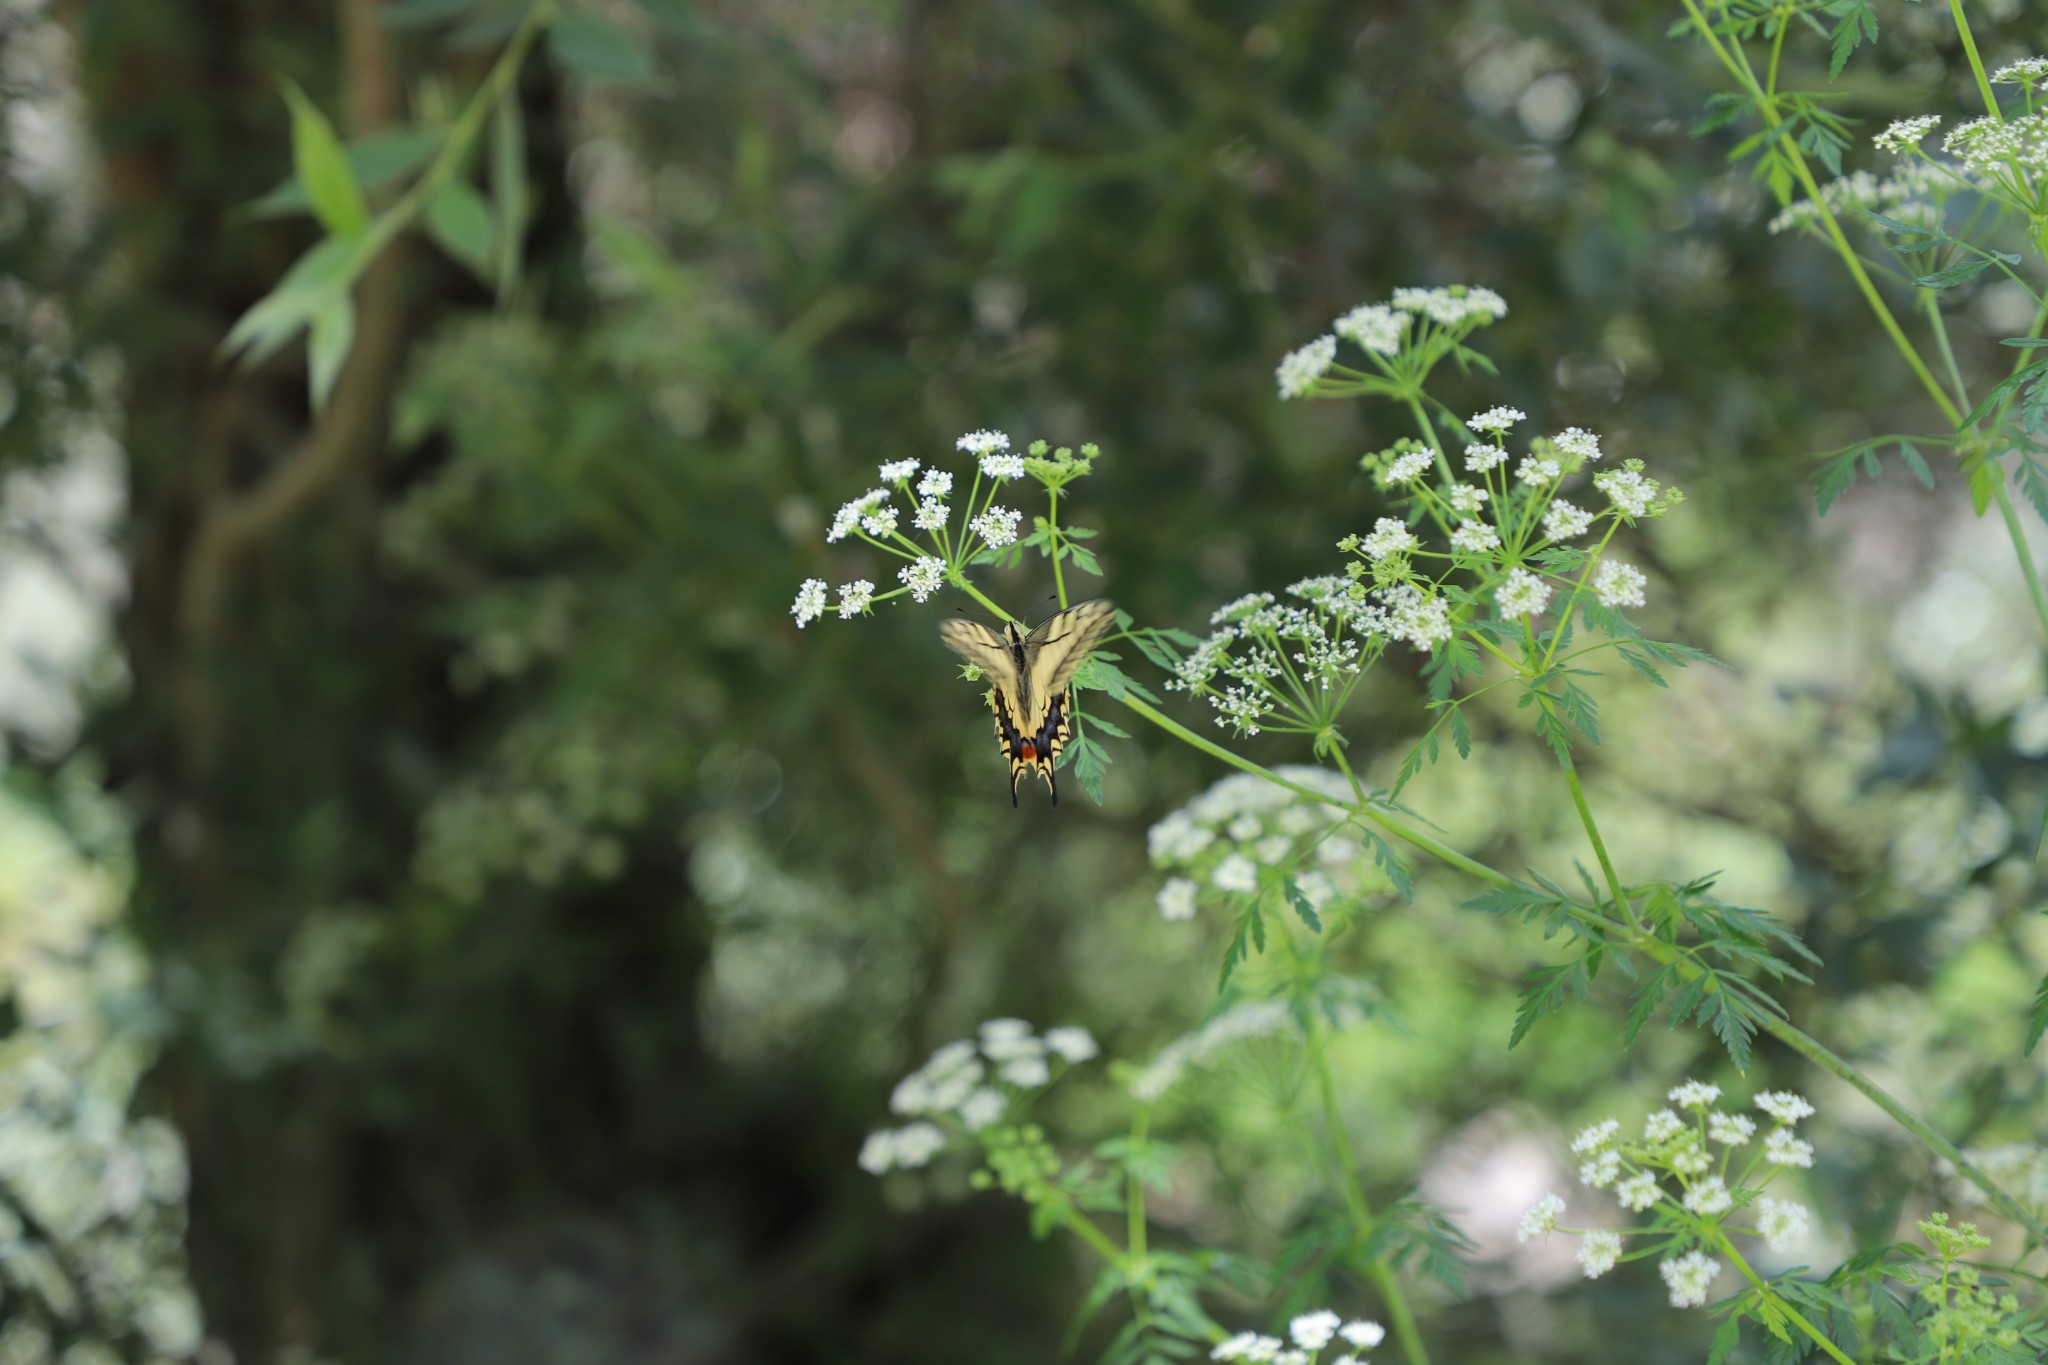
point(372, 162)
point(460, 223)
point(1955, 274)
point(1934, 236)
point(1642, 666)
point(508, 188)
point(334, 331)
point(1390, 863)
point(1461, 733)
point(1547, 992)
point(1857, 24)
point(1091, 763)
point(2025, 343)
point(1301, 905)
point(326, 270)
point(598, 50)
point(1725, 1338)
point(1084, 558)
point(1101, 674)
point(322, 168)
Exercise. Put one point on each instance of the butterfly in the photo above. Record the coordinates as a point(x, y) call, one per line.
point(1032, 676)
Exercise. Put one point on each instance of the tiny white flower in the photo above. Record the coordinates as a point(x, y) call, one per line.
point(1314, 1331)
point(912, 1095)
point(1176, 899)
point(935, 485)
point(1465, 499)
point(985, 1106)
point(2025, 71)
point(982, 442)
point(1782, 1222)
point(1389, 537)
point(1694, 1094)
point(957, 1056)
point(1598, 1252)
point(1004, 1031)
point(1299, 371)
point(1578, 441)
point(1003, 466)
point(1783, 1149)
point(1410, 467)
point(1784, 1106)
point(1534, 471)
point(1521, 594)
point(1603, 1170)
point(1244, 828)
point(1374, 326)
point(931, 515)
point(917, 1144)
point(997, 526)
point(923, 576)
point(1496, 419)
point(1025, 1072)
point(1709, 1197)
point(1688, 1277)
point(1236, 873)
point(854, 598)
point(1732, 1130)
point(1272, 850)
point(1423, 622)
point(1363, 1333)
point(1597, 1137)
point(878, 1153)
point(1475, 538)
point(1662, 1125)
point(898, 470)
point(1540, 1217)
point(1563, 520)
point(1479, 459)
point(1638, 1192)
point(1073, 1043)
point(1618, 584)
point(880, 522)
point(810, 602)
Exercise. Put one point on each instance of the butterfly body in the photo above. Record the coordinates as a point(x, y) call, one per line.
point(1030, 678)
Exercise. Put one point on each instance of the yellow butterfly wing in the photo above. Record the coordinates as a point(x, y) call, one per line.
point(1031, 679)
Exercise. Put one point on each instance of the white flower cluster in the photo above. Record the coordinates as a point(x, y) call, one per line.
point(2026, 71)
point(1913, 193)
point(1243, 823)
point(873, 517)
point(1676, 1146)
point(1251, 1019)
point(1307, 1336)
point(1278, 663)
point(1299, 370)
point(1905, 134)
point(1993, 149)
point(1382, 330)
point(968, 1085)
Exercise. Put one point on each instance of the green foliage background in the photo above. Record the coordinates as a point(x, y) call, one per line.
point(538, 920)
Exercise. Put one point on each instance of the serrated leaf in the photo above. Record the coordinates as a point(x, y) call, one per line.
point(322, 167)
point(1857, 24)
point(1390, 863)
point(1301, 904)
point(1955, 274)
point(1915, 462)
point(1725, 1338)
point(1461, 733)
point(1084, 559)
point(1091, 765)
point(598, 50)
point(460, 222)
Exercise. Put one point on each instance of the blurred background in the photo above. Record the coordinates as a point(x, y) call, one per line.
point(449, 913)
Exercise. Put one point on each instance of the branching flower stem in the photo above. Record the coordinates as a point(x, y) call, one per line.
point(1792, 1315)
point(1648, 944)
point(1764, 101)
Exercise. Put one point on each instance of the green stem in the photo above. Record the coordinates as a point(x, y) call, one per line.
point(1362, 1221)
point(1932, 307)
point(2021, 550)
point(962, 582)
point(1081, 1226)
point(1571, 780)
point(1955, 9)
point(1134, 1188)
point(1052, 536)
point(1820, 1338)
point(1633, 936)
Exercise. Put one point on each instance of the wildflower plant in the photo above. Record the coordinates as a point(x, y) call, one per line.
point(1498, 556)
